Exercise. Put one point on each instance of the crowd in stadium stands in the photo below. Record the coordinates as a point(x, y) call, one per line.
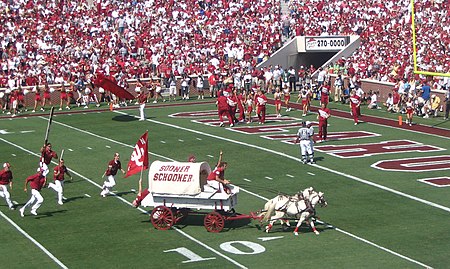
point(55, 42)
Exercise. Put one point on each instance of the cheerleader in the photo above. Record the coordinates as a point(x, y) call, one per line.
point(277, 97)
point(37, 97)
point(409, 111)
point(46, 97)
point(287, 97)
point(63, 98)
point(249, 104)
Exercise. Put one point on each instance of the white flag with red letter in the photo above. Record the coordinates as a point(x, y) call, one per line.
point(139, 157)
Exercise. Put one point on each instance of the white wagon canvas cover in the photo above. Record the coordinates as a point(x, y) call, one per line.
point(184, 178)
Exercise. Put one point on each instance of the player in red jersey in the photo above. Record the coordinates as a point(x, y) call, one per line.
point(37, 182)
point(260, 101)
point(216, 179)
point(355, 105)
point(58, 177)
point(47, 154)
point(223, 110)
point(113, 166)
point(6, 178)
point(324, 114)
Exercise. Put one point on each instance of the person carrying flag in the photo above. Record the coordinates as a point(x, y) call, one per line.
point(113, 166)
point(46, 158)
point(58, 176)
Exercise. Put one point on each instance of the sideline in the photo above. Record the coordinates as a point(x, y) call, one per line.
point(34, 241)
point(376, 185)
point(113, 194)
point(249, 192)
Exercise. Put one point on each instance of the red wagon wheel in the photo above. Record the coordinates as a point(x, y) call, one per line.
point(162, 218)
point(214, 222)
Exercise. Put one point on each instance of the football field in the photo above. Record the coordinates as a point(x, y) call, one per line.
point(387, 188)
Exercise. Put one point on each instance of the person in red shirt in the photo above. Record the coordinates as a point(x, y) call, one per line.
point(355, 105)
point(240, 104)
point(324, 114)
point(47, 154)
point(113, 166)
point(37, 182)
point(6, 178)
point(216, 179)
point(223, 110)
point(260, 101)
point(212, 85)
point(58, 177)
point(324, 92)
point(46, 97)
point(232, 104)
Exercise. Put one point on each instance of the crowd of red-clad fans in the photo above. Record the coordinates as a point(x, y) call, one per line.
point(55, 42)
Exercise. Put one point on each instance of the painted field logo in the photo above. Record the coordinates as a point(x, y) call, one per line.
point(436, 181)
point(290, 138)
point(385, 147)
point(420, 164)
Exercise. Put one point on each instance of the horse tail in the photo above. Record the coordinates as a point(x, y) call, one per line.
point(270, 208)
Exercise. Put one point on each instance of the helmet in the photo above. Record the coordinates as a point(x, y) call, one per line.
point(308, 123)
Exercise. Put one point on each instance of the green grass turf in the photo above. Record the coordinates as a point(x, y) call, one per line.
point(95, 232)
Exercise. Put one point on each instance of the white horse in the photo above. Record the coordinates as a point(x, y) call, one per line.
point(300, 206)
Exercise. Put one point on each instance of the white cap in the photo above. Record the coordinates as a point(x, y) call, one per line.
point(6, 165)
point(308, 123)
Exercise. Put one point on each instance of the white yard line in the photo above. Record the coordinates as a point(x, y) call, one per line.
point(123, 200)
point(48, 253)
point(262, 197)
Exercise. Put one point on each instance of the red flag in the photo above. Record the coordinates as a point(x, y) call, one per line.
point(139, 157)
point(109, 85)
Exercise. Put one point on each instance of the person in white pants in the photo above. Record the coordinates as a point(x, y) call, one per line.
point(37, 181)
point(304, 136)
point(113, 166)
point(142, 98)
point(6, 177)
point(58, 176)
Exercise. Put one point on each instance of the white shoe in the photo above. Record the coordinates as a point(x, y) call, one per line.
point(68, 108)
point(221, 124)
point(86, 107)
point(42, 109)
point(356, 123)
point(60, 108)
point(33, 212)
point(33, 111)
point(60, 203)
point(426, 116)
point(97, 105)
point(232, 125)
point(22, 212)
point(9, 113)
point(12, 207)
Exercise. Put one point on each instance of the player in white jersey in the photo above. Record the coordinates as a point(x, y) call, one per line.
point(304, 136)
